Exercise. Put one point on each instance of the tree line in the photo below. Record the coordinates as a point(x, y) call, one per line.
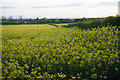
point(20, 20)
point(111, 21)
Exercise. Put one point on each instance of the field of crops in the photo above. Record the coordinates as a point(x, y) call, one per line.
point(61, 24)
point(45, 51)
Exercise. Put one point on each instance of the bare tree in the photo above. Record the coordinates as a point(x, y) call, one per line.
point(10, 18)
point(3, 18)
point(20, 19)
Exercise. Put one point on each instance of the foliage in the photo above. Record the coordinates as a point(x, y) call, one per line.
point(45, 51)
point(86, 24)
point(10, 20)
point(114, 21)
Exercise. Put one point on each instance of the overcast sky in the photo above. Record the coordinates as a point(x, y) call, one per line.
point(59, 8)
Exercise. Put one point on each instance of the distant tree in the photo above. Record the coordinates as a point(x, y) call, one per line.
point(20, 19)
point(83, 19)
point(37, 18)
point(44, 20)
point(10, 18)
point(3, 18)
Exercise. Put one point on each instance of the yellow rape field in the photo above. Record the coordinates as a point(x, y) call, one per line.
point(61, 24)
point(45, 51)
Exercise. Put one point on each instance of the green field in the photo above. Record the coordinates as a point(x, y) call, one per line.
point(45, 51)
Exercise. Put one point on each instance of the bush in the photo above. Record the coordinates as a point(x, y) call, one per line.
point(113, 21)
point(85, 25)
point(95, 24)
